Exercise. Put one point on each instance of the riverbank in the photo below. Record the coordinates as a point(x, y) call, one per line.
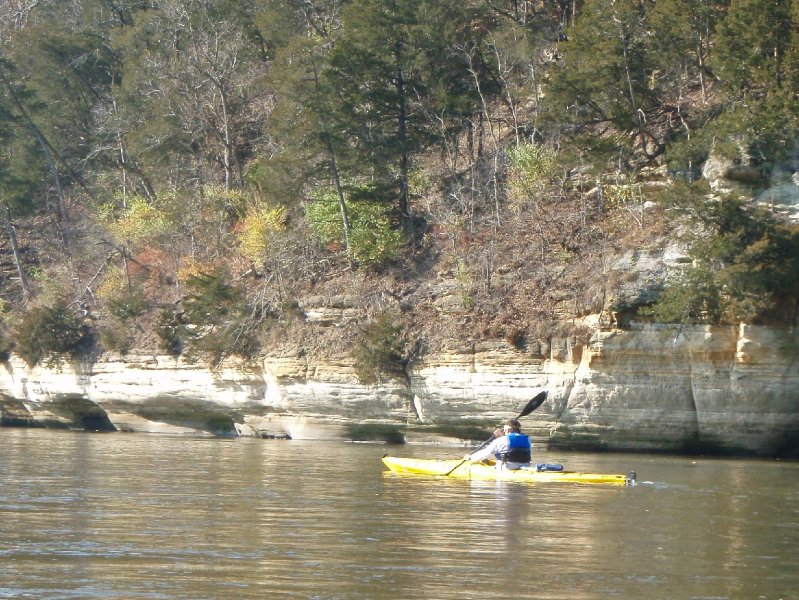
point(726, 390)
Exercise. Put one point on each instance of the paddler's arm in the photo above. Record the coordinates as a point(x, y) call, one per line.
point(482, 453)
point(487, 449)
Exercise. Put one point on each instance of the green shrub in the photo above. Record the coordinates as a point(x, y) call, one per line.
point(209, 297)
point(168, 328)
point(532, 168)
point(127, 305)
point(234, 338)
point(218, 320)
point(379, 350)
point(690, 296)
point(372, 238)
point(115, 340)
point(51, 332)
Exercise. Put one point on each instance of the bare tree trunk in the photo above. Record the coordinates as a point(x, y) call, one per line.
point(342, 204)
point(12, 236)
point(494, 136)
point(701, 60)
point(505, 80)
point(40, 136)
point(129, 166)
point(335, 172)
point(402, 132)
point(62, 206)
point(228, 152)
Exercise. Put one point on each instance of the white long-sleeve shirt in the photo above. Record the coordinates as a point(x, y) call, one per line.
point(495, 449)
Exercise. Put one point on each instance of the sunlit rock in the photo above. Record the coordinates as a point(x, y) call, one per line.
point(659, 388)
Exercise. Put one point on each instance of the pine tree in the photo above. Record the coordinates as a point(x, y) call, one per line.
point(375, 66)
point(605, 86)
point(756, 60)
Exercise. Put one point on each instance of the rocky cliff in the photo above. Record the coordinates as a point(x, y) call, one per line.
point(725, 389)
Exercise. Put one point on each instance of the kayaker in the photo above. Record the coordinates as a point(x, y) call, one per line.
point(511, 448)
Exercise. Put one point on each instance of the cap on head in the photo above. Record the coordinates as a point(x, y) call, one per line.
point(513, 425)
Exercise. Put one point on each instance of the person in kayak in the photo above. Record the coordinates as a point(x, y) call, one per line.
point(511, 448)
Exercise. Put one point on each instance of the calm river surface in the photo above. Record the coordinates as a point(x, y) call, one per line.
point(143, 516)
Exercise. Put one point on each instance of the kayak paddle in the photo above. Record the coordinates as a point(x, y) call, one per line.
point(534, 403)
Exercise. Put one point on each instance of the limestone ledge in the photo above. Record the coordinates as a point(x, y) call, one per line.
point(653, 388)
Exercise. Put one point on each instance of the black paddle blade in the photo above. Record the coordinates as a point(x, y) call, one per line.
point(533, 404)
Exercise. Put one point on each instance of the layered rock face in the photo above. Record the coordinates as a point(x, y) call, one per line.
point(650, 388)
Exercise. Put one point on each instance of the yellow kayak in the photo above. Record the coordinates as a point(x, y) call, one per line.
point(489, 472)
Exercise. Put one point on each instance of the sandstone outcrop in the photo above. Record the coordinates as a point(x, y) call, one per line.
point(650, 388)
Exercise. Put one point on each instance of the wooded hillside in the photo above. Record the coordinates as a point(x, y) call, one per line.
point(182, 174)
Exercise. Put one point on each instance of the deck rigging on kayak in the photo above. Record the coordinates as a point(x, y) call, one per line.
point(487, 470)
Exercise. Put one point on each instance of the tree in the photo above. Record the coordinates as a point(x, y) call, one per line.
point(375, 66)
point(30, 111)
point(380, 350)
point(50, 332)
point(752, 43)
point(607, 86)
point(221, 323)
point(303, 124)
point(371, 238)
point(22, 168)
point(683, 32)
point(279, 22)
point(745, 263)
point(757, 61)
point(191, 68)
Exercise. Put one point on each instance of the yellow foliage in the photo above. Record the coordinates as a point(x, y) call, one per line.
point(231, 199)
point(623, 195)
point(114, 284)
point(256, 229)
point(139, 221)
point(192, 268)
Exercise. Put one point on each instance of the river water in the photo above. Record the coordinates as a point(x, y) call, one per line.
point(144, 516)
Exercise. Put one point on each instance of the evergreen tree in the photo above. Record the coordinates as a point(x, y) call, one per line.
point(682, 38)
point(375, 66)
point(302, 121)
point(192, 70)
point(607, 86)
point(22, 170)
point(752, 43)
point(745, 263)
point(683, 31)
point(756, 60)
point(22, 165)
point(453, 37)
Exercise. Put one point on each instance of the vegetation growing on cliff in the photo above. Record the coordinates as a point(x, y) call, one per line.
point(183, 170)
point(50, 332)
point(744, 263)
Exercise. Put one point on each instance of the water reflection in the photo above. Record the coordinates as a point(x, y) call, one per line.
point(127, 516)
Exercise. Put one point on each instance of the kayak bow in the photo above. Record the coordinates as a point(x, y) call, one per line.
point(488, 472)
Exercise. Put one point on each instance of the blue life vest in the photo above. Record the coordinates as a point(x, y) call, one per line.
point(520, 450)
